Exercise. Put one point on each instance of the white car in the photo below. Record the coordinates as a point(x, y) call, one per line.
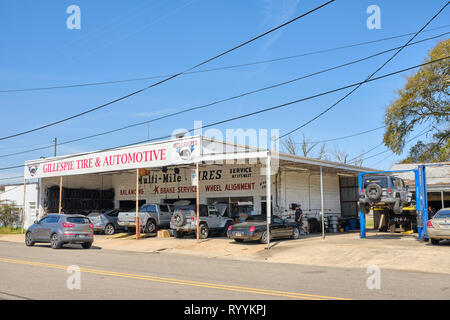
point(438, 228)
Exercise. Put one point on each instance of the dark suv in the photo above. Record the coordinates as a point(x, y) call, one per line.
point(384, 192)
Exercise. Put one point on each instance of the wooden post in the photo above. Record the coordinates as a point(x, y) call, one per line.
point(321, 204)
point(138, 226)
point(60, 193)
point(198, 204)
point(23, 207)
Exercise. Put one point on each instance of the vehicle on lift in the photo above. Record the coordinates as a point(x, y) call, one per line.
point(184, 221)
point(439, 226)
point(254, 228)
point(59, 229)
point(106, 221)
point(151, 217)
point(384, 192)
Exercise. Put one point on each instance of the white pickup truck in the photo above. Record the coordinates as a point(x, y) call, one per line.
point(151, 216)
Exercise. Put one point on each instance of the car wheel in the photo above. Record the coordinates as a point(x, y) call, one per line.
point(54, 241)
point(263, 238)
point(86, 245)
point(178, 219)
point(109, 229)
point(239, 240)
point(203, 231)
point(295, 234)
point(178, 234)
point(150, 227)
point(29, 239)
point(434, 241)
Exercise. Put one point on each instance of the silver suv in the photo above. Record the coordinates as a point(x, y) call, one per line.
point(384, 192)
point(59, 229)
point(184, 221)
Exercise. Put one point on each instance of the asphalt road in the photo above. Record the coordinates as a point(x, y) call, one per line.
point(41, 273)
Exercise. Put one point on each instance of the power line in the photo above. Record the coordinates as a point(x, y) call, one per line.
point(99, 83)
point(344, 137)
point(221, 100)
point(377, 146)
point(256, 112)
point(368, 78)
point(169, 78)
point(377, 154)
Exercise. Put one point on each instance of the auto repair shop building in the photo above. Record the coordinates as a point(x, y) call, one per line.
point(230, 174)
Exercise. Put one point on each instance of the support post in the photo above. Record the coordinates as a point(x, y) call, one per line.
point(198, 203)
point(138, 226)
point(60, 193)
point(321, 203)
point(442, 199)
point(362, 216)
point(24, 203)
point(268, 198)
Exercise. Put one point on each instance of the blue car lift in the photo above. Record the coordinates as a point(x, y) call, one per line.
point(421, 200)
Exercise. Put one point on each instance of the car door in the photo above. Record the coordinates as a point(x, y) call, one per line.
point(164, 215)
point(37, 232)
point(48, 226)
point(277, 228)
point(213, 216)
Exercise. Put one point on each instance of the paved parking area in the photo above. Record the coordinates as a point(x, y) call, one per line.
point(390, 251)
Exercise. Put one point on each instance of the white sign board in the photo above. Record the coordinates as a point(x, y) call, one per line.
point(194, 175)
point(179, 151)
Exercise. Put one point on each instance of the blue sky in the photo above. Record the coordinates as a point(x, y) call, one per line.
point(131, 39)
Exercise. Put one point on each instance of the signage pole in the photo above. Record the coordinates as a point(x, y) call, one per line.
point(138, 226)
point(23, 207)
point(198, 203)
point(268, 198)
point(321, 202)
point(60, 193)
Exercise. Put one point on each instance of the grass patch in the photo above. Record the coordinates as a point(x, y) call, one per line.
point(10, 230)
point(369, 223)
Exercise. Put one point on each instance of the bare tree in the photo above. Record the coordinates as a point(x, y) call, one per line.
point(290, 145)
point(307, 146)
point(340, 155)
point(322, 155)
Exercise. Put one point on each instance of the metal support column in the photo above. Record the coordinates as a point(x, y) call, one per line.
point(362, 216)
point(138, 224)
point(321, 203)
point(268, 198)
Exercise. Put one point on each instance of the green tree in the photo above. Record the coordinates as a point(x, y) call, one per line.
point(9, 214)
point(424, 100)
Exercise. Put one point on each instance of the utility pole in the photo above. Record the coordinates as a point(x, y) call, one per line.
point(55, 141)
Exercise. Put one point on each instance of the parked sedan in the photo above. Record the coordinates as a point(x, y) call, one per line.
point(438, 228)
point(59, 229)
point(105, 221)
point(255, 228)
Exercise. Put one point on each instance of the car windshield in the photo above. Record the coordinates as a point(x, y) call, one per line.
point(94, 214)
point(78, 220)
point(382, 181)
point(442, 214)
